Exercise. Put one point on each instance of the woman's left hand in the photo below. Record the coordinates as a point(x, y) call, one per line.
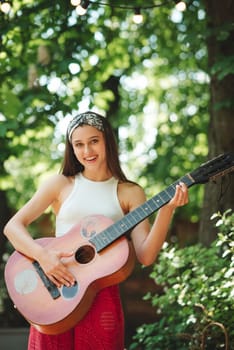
point(180, 197)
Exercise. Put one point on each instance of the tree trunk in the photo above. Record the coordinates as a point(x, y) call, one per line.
point(220, 39)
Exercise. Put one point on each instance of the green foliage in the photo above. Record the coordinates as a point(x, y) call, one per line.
point(225, 223)
point(195, 304)
point(54, 62)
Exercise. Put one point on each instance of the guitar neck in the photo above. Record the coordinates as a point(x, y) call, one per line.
point(129, 221)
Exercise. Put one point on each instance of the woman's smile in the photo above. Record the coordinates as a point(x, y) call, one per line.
point(91, 159)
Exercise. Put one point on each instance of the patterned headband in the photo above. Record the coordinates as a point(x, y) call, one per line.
point(87, 118)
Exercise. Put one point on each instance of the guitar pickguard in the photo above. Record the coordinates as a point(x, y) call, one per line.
point(70, 292)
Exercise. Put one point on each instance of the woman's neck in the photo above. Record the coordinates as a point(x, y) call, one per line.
point(99, 176)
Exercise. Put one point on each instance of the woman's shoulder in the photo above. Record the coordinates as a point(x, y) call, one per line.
point(60, 178)
point(130, 186)
point(56, 182)
point(57, 187)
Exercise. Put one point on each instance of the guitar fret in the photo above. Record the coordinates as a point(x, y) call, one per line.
point(142, 211)
point(135, 215)
point(157, 202)
point(97, 241)
point(148, 208)
point(121, 226)
point(118, 229)
point(110, 232)
point(129, 219)
point(107, 239)
point(166, 195)
point(153, 205)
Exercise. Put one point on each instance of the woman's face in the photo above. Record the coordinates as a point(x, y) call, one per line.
point(89, 147)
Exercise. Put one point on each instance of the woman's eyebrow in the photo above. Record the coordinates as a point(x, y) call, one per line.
point(89, 138)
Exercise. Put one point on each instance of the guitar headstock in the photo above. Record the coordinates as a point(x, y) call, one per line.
point(214, 168)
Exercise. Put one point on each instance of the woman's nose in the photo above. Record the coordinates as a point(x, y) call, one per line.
point(86, 149)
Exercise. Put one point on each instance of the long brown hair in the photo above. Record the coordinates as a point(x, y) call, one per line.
point(71, 166)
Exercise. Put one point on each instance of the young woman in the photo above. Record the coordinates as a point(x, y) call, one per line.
point(91, 182)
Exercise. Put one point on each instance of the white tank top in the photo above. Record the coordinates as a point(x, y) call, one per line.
point(88, 198)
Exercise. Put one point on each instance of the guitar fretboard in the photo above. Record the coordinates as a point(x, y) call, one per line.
point(129, 221)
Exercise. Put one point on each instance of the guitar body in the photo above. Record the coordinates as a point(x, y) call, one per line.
point(93, 271)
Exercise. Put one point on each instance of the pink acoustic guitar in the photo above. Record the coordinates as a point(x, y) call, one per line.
point(103, 257)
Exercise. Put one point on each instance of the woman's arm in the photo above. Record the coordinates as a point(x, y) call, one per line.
point(17, 233)
point(148, 241)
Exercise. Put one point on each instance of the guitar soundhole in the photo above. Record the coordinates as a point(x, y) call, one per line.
point(85, 254)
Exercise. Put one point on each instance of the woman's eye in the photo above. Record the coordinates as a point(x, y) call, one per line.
point(94, 141)
point(78, 145)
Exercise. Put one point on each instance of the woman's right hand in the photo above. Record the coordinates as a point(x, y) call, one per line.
point(52, 265)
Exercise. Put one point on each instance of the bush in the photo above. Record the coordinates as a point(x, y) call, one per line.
point(196, 300)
